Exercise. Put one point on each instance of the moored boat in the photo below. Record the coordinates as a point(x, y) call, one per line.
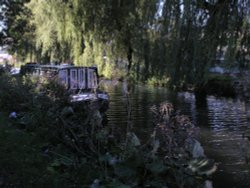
point(81, 82)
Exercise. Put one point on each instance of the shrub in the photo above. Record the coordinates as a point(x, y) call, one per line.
point(156, 81)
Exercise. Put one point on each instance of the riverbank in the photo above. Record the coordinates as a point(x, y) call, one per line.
point(54, 144)
point(229, 85)
point(242, 85)
point(218, 84)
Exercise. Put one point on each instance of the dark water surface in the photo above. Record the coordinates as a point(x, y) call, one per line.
point(221, 120)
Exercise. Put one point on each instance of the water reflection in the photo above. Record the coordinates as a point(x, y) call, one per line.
point(222, 122)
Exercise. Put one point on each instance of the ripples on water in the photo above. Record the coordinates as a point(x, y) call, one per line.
point(222, 122)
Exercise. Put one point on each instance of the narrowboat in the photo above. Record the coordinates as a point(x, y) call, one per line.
point(81, 82)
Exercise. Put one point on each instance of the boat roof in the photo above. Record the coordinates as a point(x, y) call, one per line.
point(61, 66)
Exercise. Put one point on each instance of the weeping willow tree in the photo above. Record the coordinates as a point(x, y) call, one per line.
point(195, 32)
point(176, 41)
point(54, 29)
point(105, 33)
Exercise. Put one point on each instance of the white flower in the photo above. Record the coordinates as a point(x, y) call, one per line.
point(13, 115)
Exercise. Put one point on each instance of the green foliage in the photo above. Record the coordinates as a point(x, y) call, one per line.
point(73, 148)
point(21, 160)
point(162, 81)
point(14, 94)
point(18, 33)
point(181, 41)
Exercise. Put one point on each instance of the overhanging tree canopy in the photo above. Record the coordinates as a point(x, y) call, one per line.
point(177, 42)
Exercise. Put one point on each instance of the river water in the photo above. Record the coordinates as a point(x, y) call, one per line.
point(221, 120)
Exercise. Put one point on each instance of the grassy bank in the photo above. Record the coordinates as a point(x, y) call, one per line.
point(21, 160)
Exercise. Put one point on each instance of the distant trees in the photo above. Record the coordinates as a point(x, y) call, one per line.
point(195, 32)
point(18, 31)
point(174, 43)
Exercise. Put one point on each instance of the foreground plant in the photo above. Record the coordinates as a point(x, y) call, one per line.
point(78, 151)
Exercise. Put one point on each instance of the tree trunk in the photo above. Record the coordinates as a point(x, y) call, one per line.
point(129, 57)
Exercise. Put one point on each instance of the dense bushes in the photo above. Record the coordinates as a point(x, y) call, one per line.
point(72, 148)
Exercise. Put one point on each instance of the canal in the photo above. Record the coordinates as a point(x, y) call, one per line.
point(222, 121)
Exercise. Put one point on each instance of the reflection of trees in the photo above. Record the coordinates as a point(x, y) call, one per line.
point(247, 107)
point(227, 113)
